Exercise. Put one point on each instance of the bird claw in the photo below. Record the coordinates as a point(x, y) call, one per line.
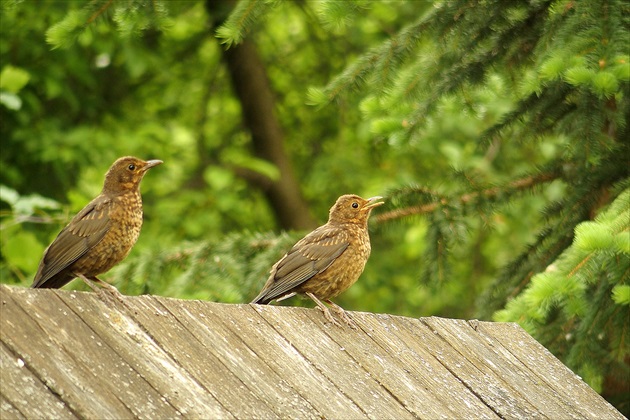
point(106, 291)
point(329, 316)
point(344, 317)
point(338, 310)
point(342, 314)
point(348, 321)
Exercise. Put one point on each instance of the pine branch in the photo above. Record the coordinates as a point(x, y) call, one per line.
point(131, 17)
point(518, 185)
point(99, 12)
point(385, 59)
point(241, 19)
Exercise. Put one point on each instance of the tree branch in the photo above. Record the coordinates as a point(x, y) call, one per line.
point(99, 12)
point(519, 184)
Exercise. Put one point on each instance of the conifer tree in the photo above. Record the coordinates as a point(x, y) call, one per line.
point(566, 69)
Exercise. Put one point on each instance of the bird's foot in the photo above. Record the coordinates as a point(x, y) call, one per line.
point(329, 316)
point(105, 291)
point(342, 314)
point(324, 309)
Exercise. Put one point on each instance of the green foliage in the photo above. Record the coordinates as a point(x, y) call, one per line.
point(17, 242)
point(132, 18)
point(578, 307)
point(228, 269)
point(338, 15)
point(496, 129)
point(241, 18)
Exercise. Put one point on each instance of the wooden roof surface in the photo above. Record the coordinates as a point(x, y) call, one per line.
point(70, 354)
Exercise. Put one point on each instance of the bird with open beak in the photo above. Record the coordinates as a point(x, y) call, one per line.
point(327, 261)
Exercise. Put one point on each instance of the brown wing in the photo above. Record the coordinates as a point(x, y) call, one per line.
point(308, 257)
point(84, 231)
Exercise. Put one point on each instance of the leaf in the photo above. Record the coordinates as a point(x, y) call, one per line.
point(20, 249)
point(243, 17)
point(13, 79)
point(11, 101)
point(8, 195)
point(218, 178)
point(261, 166)
point(27, 204)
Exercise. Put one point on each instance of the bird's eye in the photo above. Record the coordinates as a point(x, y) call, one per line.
point(355, 205)
point(132, 167)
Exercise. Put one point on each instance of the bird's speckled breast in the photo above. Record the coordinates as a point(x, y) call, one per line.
point(126, 221)
point(346, 269)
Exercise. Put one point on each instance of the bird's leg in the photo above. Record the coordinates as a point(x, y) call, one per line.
point(93, 281)
point(324, 309)
point(342, 314)
point(106, 286)
point(89, 282)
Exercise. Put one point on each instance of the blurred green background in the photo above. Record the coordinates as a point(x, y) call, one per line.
point(497, 131)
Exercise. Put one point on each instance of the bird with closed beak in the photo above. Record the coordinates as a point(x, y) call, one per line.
point(327, 261)
point(102, 234)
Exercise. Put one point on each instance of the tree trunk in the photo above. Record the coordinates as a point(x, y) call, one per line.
point(251, 85)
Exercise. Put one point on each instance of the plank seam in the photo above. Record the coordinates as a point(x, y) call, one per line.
point(217, 358)
point(311, 363)
point(478, 395)
point(117, 353)
point(9, 402)
point(385, 387)
point(35, 372)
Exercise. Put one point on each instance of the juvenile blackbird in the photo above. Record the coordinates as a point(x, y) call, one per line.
point(328, 260)
point(102, 234)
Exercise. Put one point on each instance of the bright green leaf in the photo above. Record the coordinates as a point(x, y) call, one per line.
point(9, 195)
point(20, 249)
point(13, 79)
point(261, 166)
point(11, 101)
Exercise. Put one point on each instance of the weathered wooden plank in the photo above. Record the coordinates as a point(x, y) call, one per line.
point(484, 383)
point(71, 354)
point(40, 328)
point(197, 357)
point(385, 369)
point(229, 346)
point(334, 361)
point(178, 391)
point(8, 411)
point(516, 378)
point(562, 382)
point(19, 387)
point(283, 358)
point(412, 354)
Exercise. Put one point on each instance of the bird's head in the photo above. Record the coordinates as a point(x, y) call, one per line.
point(351, 208)
point(126, 173)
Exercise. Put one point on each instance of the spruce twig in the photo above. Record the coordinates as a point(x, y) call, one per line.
point(517, 185)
